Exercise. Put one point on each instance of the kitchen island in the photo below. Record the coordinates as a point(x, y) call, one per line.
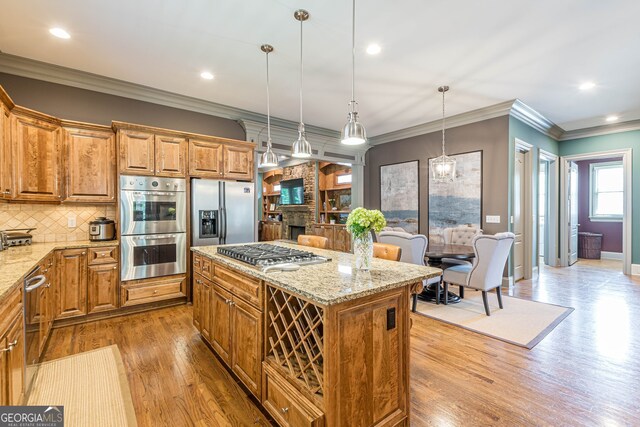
point(326, 345)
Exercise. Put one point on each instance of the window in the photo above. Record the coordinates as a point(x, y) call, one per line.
point(607, 193)
point(343, 179)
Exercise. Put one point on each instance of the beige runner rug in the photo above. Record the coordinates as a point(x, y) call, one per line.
point(92, 386)
point(522, 322)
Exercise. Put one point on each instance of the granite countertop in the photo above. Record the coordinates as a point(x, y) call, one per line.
point(332, 282)
point(17, 261)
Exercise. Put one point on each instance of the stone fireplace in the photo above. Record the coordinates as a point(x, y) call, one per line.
point(299, 219)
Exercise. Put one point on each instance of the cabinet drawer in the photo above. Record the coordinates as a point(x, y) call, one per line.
point(245, 287)
point(286, 404)
point(197, 263)
point(103, 255)
point(153, 291)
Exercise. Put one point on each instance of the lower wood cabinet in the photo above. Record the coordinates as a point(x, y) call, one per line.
point(156, 289)
point(12, 351)
point(72, 283)
point(246, 344)
point(102, 288)
point(219, 307)
point(339, 237)
point(270, 231)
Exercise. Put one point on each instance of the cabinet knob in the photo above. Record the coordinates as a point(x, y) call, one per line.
point(48, 285)
point(6, 192)
point(84, 253)
point(115, 267)
point(10, 347)
point(227, 301)
point(155, 292)
point(103, 254)
point(285, 409)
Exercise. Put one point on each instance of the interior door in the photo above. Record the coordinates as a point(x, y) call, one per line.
point(573, 212)
point(518, 219)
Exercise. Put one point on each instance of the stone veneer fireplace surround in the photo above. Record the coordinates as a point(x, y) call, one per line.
point(300, 215)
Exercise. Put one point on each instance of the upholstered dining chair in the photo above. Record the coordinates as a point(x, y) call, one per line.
point(486, 271)
point(461, 235)
point(387, 251)
point(313, 241)
point(413, 248)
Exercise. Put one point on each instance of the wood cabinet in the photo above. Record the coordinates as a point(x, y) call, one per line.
point(143, 291)
point(270, 231)
point(12, 351)
point(6, 104)
point(205, 159)
point(338, 235)
point(137, 152)
point(221, 158)
point(90, 163)
point(238, 162)
point(71, 292)
point(102, 288)
point(171, 156)
point(36, 156)
point(227, 308)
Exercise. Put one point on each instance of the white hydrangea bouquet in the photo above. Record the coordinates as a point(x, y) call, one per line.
point(360, 223)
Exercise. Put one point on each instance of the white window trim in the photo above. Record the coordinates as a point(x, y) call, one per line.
point(592, 216)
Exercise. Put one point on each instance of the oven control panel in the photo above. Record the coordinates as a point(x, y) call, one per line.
point(152, 183)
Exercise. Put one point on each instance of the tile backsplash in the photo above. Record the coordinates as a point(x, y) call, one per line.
point(51, 221)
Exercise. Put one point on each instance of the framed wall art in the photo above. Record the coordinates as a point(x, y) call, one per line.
point(400, 195)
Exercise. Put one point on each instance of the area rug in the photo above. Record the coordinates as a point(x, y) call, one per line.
point(92, 386)
point(522, 322)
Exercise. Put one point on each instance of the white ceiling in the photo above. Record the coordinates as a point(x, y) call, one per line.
point(488, 51)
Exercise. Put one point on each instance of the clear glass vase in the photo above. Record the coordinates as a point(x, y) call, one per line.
point(363, 251)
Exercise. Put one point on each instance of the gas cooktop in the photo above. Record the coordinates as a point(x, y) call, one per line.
point(264, 254)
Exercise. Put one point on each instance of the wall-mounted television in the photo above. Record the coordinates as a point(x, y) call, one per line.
point(292, 192)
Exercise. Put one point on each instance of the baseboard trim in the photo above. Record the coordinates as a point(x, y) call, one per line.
point(635, 269)
point(508, 281)
point(612, 255)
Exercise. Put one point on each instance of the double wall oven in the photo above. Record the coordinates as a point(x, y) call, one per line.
point(153, 221)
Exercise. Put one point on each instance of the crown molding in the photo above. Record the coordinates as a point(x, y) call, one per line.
point(531, 117)
point(493, 111)
point(601, 130)
point(24, 67)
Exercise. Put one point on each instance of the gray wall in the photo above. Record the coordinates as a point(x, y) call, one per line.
point(490, 136)
point(72, 103)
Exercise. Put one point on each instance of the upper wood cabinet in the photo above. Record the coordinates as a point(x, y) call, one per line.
point(220, 158)
point(238, 162)
point(90, 169)
point(137, 152)
point(171, 156)
point(205, 159)
point(6, 104)
point(36, 158)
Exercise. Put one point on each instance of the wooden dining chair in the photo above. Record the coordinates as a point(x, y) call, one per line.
point(387, 251)
point(313, 241)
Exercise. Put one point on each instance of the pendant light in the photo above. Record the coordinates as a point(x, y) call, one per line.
point(301, 148)
point(353, 132)
point(268, 158)
point(443, 168)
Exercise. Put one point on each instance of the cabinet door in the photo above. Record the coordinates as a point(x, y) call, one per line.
point(137, 152)
point(102, 288)
point(246, 342)
point(197, 302)
point(45, 315)
point(220, 322)
point(91, 165)
point(15, 362)
point(238, 162)
point(71, 289)
point(205, 159)
point(36, 160)
point(206, 311)
point(324, 231)
point(6, 181)
point(171, 156)
point(341, 239)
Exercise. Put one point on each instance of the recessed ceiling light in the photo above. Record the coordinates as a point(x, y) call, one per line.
point(612, 118)
point(373, 49)
point(60, 33)
point(206, 75)
point(587, 86)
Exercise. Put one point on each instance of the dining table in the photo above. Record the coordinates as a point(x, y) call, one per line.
point(434, 255)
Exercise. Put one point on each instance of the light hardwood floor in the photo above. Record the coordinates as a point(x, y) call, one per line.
point(585, 372)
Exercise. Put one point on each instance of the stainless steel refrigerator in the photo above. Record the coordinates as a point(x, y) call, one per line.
point(222, 212)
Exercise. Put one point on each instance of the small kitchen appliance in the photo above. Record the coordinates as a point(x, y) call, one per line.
point(101, 229)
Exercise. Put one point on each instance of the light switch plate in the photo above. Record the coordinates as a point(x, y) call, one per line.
point(493, 219)
point(71, 221)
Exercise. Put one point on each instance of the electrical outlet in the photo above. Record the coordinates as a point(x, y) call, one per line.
point(493, 219)
point(71, 221)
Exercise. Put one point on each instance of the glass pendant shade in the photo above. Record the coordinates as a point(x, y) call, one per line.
point(443, 169)
point(353, 132)
point(268, 158)
point(301, 149)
